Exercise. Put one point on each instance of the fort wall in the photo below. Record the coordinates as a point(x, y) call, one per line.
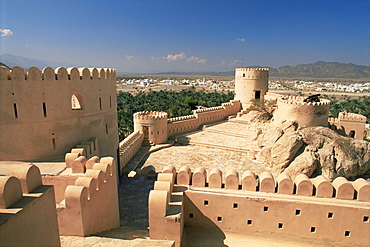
point(156, 127)
point(306, 114)
point(45, 113)
point(27, 209)
point(250, 84)
point(253, 203)
point(129, 147)
point(90, 205)
point(350, 124)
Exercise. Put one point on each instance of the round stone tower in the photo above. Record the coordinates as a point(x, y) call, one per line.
point(250, 84)
point(153, 124)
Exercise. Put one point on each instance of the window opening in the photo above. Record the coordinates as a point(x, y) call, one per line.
point(54, 145)
point(76, 102)
point(15, 110)
point(313, 229)
point(100, 103)
point(44, 108)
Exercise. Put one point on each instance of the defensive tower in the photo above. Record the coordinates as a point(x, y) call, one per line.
point(46, 113)
point(153, 124)
point(250, 84)
point(306, 114)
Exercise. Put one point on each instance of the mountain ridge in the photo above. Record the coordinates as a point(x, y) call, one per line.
point(319, 69)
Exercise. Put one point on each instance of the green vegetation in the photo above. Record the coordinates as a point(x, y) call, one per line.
point(174, 103)
point(359, 106)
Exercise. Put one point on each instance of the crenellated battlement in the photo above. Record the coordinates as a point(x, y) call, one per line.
point(182, 118)
point(306, 114)
point(252, 69)
point(353, 117)
point(150, 115)
point(216, 108)
point(57, 107)
point(34, 74)
point(298, 100)
point(320, 186)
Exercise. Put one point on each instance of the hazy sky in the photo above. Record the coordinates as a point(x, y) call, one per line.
point(184, 35)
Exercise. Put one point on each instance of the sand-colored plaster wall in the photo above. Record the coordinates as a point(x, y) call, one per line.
point(32, 219)
point(347, 122)
point(248, 81)
point(156, 127)
point(46, 113)
point(249, 212)
point(91, 204)
point(129, 147)
point(292, 108)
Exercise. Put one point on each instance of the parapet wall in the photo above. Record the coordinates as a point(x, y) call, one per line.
point(129, 147)
point(307, 208)
point(165, 217)
point(201, 117)
point(349, 124)
point(91, 204)
point(27, 209)
point(53, 110)
point(306, 114)
point(320, 186)
point(156, 127)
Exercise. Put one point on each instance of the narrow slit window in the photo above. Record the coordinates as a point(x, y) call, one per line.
point(54, 145)
point(44, 109)
point(106, 128)
point(100, 103)
point(15, 110)
point(110, 101)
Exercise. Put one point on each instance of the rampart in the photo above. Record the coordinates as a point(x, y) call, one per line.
point(250, 84)
point(350, 124)
point(86, 193)
point(309, 208)
point(45, 113)
point(156, 127)
point(91, 204)
point(129, 147)
point(27, 209)
point(165, 216)
point(306, 114)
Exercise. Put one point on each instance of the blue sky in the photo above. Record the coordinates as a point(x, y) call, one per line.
point(173, 35)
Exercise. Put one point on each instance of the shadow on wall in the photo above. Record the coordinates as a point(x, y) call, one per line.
point(199, 230)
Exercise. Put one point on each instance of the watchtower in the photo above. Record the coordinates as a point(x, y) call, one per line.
point(250, 84)
point(153, 124)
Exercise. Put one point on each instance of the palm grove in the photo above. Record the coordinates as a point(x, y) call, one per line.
point(183, 102)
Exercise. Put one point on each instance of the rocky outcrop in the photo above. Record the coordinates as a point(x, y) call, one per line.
point(312, 151)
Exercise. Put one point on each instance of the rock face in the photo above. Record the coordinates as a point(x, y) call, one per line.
point(312, 151)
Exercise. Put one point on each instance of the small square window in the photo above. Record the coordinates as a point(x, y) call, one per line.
point(265, 208)
point(365, 219)
point(313, 229)
point(297, 212)
point(347, 233)
point(191, 215)
point(330, 215)
point(249, 222)
point(235, 205)
point(280, 225)
point(205, 202)
point(219, 218)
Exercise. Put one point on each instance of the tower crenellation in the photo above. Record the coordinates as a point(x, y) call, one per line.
point(56, 108)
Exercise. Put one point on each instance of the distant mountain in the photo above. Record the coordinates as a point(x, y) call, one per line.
point(3, 64)
point(317, 70)
point(322, 69)
point(26, 63)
